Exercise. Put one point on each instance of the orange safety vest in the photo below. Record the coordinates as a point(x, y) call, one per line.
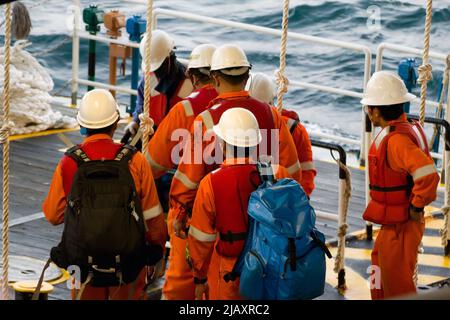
point(198, 101)
point(232, 186)
point(390, 190)
point(292, 115)
point(158, 104)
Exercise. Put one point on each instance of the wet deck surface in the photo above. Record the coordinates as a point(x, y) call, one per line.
point(34, 159)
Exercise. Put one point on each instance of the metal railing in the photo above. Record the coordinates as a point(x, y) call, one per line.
point(341, 216)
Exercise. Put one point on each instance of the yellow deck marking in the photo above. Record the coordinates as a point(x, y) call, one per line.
point(41, 134)
point(435, 224)
point(357, 286)
point(426, 279)
point(434, 260)
point(432, 242)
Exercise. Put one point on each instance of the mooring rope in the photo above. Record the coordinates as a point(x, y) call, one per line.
point(5, 131)
point(425, 70)
point(280, 74)
point(147, 89)
point(339, 264)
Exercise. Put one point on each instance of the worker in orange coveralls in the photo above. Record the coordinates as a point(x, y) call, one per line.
point(99, 115)
point(403, 180)
point(219, 222)
point(262, 88)
point(229, 70)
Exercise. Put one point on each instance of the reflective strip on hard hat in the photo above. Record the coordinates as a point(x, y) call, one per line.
point(424, 171)
point(154, 164)
point(294, 168)
point(187, 108)
point(307, 165)
point(153, 212)
point(200, 235)
point(207, 120)
point(185, 180)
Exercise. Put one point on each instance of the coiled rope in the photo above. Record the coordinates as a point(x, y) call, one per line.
point(146, 128)
point(280, 76)
point(425, 70)
point(5, 131)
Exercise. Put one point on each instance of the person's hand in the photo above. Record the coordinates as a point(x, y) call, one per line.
point(202, 291)
point(146, 124)
point(179, 226)
point(132, 127)
point(416, 214)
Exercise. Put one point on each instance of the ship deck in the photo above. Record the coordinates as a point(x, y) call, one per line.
point(34, 157)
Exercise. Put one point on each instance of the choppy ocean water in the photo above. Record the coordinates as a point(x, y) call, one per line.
point(399, 22)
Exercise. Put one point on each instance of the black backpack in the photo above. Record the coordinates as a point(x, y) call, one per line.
point(104, 227)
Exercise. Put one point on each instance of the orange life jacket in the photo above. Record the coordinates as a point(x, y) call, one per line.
point(199, 100)
point(390, 190)
point(232, 186)
point(293, 121)
point(262, 112)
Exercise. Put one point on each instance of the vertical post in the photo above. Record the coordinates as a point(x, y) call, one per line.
point(75, 52)
point(112, 67)
point(367, 142)
point(91, 62)
point(135, 64)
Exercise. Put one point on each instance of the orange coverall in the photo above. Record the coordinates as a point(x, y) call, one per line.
point(206, 262)
point(56, 201)
point(179, 280)
point(161, 144)
point(304, 153)
point(396, 247)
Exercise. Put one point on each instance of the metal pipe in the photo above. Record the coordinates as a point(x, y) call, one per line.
point(106, 86)
point(318, 87)
point(333, 137)
point(135, 66)
point(75, 52)
point(326, 215)
point(99, 38)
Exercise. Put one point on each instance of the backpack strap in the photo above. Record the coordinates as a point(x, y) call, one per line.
point(125, 153)
point(77, 154)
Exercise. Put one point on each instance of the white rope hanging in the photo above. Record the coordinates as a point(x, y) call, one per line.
point(280, 74)
point(425, 70)
point(146, 125)
point(5, 131)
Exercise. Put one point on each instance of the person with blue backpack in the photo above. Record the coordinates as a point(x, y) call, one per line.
point(228, 220)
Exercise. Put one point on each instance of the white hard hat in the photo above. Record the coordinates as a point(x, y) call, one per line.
point(238, 127)
point(98, 110)
point(230, 56)
point(161, 47)
point(201, 56)
point(262, 87)
point(386, 88)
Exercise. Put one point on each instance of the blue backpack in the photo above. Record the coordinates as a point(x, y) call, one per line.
point(284, 255)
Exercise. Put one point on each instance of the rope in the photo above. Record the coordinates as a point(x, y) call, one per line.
point(425, 70)
point(339, 264)
point(147, 89)
point(281, 79)
point(5, 135)
point(441, 101)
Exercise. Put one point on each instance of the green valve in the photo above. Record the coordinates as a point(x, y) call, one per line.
point(93, 16)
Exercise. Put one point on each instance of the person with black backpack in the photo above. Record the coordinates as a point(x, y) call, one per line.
point(105, 195)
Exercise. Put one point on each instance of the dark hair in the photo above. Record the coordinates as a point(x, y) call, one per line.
point(242, 151)
point(233, 80)
point(106, 130)
point(391, 112)
point(203, 78)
